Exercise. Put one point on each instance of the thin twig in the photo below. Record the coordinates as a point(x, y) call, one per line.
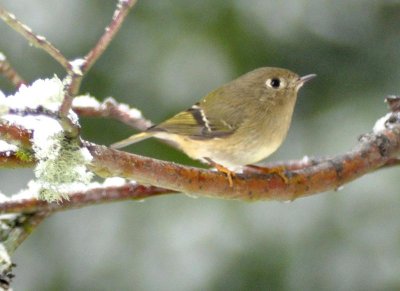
point(24, 226)
point(112, 109)
point(69, 93)
point(14, 229)
point(94, 196)
point(122, 10)
point(15, 134)
point(392, 163)
point(81, 66)
point(111, 30)
point(9, 72)
point(16, 159)
point(36, 40)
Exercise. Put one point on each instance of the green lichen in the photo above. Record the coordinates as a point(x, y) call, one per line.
point(24, 156)
point(60, 165)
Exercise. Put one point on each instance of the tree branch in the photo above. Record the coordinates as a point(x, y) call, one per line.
point(16, 159)
point(94, 196)
point(83, 65)
point(111, 30)
point(9, 72)
point(76, 69)
point(112, 109)
point(14, 229)
point(80, 67)
point(20, 227)
point(372, 152)
point(302, 178)
point(15, 134)
point(36, 40)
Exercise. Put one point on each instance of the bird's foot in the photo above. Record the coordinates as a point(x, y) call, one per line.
point(229, 174)
point(280, 171)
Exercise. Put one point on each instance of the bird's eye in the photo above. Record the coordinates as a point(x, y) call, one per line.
point(274, 83)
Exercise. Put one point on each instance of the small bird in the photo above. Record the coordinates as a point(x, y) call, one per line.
point(237, 124)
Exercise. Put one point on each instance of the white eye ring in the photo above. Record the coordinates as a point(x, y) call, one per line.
point(275, 83)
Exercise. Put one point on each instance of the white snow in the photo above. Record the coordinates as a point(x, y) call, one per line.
point(380, 123)
point(47, 93)
point(85, 101)
point(61, 166)
point(5, 147)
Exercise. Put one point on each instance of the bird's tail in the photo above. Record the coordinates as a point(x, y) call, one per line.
point(132, 139)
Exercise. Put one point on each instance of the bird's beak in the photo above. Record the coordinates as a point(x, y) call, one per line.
point(305, 79)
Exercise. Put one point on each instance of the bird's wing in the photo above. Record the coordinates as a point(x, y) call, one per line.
point(195, 124)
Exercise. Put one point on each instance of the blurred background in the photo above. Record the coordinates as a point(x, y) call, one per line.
point(169, 54)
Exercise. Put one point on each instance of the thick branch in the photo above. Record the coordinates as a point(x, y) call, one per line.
point(373, 151)
point(304, 177)
point(312, 177)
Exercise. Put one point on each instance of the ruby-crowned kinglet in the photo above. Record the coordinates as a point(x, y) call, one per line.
point(240, 123)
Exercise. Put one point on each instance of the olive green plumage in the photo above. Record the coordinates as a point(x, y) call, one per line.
point(240, 123)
